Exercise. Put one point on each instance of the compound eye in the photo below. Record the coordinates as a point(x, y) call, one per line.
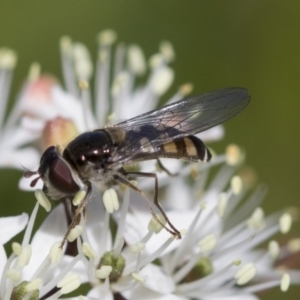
point(60, 177)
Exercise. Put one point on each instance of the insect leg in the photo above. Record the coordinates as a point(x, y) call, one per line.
point(165, 169)
point(76, 217)
point(174, 231)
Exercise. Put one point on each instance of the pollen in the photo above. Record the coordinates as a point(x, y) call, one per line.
point(245, 274)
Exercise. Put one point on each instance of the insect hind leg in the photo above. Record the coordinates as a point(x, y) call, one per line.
point(121, 178)
point(163, 168)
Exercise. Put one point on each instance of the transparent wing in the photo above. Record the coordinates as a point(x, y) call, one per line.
point(192, 115)
point(183, 118)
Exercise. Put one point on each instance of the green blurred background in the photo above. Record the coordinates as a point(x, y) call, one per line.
point(252, 44)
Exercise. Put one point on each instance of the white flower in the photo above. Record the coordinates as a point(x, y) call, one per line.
point(217, 257)
point(36, 267)
point(10, 226)
point(44, 105)
point(13, 135)
point(122, 252)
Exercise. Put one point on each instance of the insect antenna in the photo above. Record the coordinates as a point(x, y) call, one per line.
point(28, 174)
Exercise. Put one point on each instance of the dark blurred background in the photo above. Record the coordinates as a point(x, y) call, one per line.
point(252, 44)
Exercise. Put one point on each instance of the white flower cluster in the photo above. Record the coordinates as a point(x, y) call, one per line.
point(116, 251)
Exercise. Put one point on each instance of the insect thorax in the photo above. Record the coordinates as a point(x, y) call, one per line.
point(90, 151)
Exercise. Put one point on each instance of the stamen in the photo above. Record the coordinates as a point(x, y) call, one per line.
point(256, 288)
point(119, 59)
point(236, 262)
point(34, 72)
point(186, 89)
point(75, 233)
point(55, 253)
point(294, 245)
point(137, 248)
point(103, 272)
point(105, 232)
point(25, 256)
point(257, 219)
point(69, 284)
point(137, 277)
point(110, 200)
point(207, 243)
point(16, 248)
point(107, 37)
point(185, 269)
point(222, 178)
point(245, 274)
point(136, 60)
point(154, 226)
point(124, 210)
point(186, 242)
point(274, 249)
point(156, 60)
point(147, 237)
point(157, 253)
point(66, 49)
point(50, 285)
point(88, 251)
point(226, 250)
point(183, 91)
point(79, 197)
point(149, 258)
point(234, 155)
point(196, 284)
point(222, 204)
point(34, 285)
point(85, 96)
point(285, 282)
point(118, 85)
point(3, 283)
point(42, 269)
point(249, 177)
point(161, 80)
point(8, 59)
point(14, 275)
point(82, 60)
point(118, 246)
point(285, 223)
point(167, 50)
point(42, 200)
point(236, 184)
point(66, 44)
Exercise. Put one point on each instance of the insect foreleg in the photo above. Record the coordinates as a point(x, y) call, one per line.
point(76, 217)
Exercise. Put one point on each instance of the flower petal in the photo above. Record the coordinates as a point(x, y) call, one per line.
point(10, 226)
point(99, 293)
point(3, 259)
point(51, 231)
point(156, 280)
point(27, 157)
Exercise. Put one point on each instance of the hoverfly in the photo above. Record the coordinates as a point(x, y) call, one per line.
point(167, 132)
